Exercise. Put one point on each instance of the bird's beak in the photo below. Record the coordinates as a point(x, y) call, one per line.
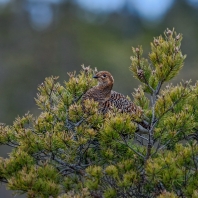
point(95, 76)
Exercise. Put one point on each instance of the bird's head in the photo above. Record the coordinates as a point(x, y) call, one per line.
point(105, 79)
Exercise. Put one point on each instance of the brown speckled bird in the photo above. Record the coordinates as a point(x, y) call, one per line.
point(103, 94)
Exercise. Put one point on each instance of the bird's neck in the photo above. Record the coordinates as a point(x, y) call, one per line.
point(106, 90)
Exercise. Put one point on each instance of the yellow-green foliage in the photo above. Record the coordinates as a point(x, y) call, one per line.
point(37, 182)
point(166, 194)
point(140, 66)
point(173, 168)
point(70, 150)
point(166, 56)
point(166, 60)
point(140, 99)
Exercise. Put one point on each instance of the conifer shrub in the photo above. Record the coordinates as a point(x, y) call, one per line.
point(68, 151)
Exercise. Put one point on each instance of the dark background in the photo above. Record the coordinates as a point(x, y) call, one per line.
point(40, 38)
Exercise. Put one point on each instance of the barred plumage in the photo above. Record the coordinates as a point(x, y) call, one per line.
point(119, 101)
point(103, 94)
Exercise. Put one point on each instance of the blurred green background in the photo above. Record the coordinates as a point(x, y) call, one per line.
point(40, 38)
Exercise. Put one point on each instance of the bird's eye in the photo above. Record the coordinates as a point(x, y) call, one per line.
point(104, 75)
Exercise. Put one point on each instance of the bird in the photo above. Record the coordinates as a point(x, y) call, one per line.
point(107, 98)
point(102, 91)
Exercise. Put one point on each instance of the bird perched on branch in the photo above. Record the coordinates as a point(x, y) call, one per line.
point(107, 98)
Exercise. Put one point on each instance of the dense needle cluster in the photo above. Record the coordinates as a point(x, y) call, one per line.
point(112, 147)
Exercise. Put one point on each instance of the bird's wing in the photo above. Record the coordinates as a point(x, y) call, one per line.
point(122, 103)
point(92, 93)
